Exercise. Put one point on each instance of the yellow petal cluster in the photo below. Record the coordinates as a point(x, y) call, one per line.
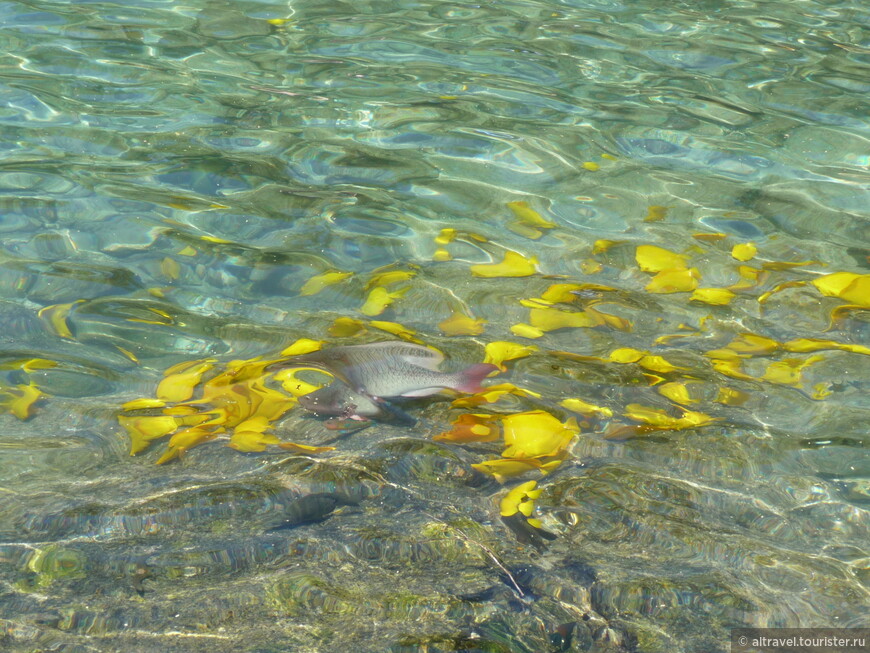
point(671, 273)
point(521, 499)
point(534, 440)
point(236, 401)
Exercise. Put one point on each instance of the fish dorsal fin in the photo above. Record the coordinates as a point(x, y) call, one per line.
point(419, 355)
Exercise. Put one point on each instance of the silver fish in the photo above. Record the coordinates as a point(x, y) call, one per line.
point(391, 369)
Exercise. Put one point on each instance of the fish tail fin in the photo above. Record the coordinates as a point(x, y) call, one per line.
point(468, 380)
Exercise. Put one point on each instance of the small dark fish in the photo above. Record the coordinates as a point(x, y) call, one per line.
point(140, 574)
point(307, 510)
point(391, 369)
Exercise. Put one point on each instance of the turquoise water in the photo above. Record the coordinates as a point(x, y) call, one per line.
point(171, 175)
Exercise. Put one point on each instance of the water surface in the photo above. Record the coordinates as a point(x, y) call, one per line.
point(171, 175)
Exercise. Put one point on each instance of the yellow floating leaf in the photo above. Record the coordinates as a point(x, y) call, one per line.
point(170, 268)
point(491, 394)
point(441, 255)
point(215, 239)
point(691, 419)
point(562, 293)
point(660, 419)
point(753, 344)
point(502, 468)
point(710, 237)
point(298, 387)
point(585, 408)
point(787, 265)
point(613, 321)
point(396, 329)
point(56, 317)
point(529, 222)
point(658, 364)
point(472, 427)
point(303, 448)
point(187, 439)
point(805, 345)
point(714, 296)
point(445, 236)
point(762, 298)
point(459, 324)
point(626, 355)
point(833, 285)
point(744, 251)
point(731, 397)
point(750, 277)
point(789, 371)
point(28, 364)
point(187, 250)
point(536, 433)
point(144, 429)
point(302, 346)
point(609, 157)
point(389, 277)
point(320, 281)
point(500, 351)
point(674, 280)
point(129, 354)
point(602, 245)
point(677, 391)
point(20, 399)
point(379, 299)
point(730, 367)
point(525, 230)
point(526, 331)
point(857, 292)
point(520, 499)
point(189, 414)
point(550, 319)
point(179, 387)
point(821, 391)
point(251, 440)
point(656, 213)
point(278, 22)
point(138, 404)
point(656, 259)
point(344, 327)
point(591, 166)
point(652, 416)
point(513, 265)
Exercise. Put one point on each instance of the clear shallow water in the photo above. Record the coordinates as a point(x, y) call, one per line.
point(202, 162)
